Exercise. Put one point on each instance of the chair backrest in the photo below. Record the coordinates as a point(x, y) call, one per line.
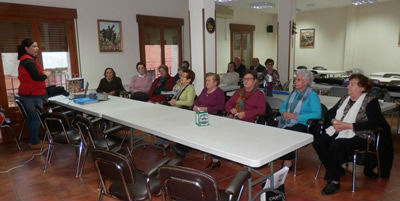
point(86, 130)
point(285, 86)
point(115, 167)
point(319, 68)
point(56, 123)
point(21, 107)
point(182, 183)
point(394, 83)
point(2, 116)
point(338, 91)
point(391, 74)
point(301, 67)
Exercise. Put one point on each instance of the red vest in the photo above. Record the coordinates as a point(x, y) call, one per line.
point(27, 85)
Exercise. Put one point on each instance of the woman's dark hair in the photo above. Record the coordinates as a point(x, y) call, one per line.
point(269, 61)
point(163, 67)
point(187, 63)
point(215, 76)
point(251, 72)
point(363, 81)
point(234, 66)
point(109, 68)
point(190, 75)
point(140, 63)
point(21, 48)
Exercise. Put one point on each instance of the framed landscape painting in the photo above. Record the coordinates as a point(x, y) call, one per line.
point(110, 35)
point(307, 38)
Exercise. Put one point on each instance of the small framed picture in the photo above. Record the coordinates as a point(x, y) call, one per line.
point(307, 38)
point(110, 35)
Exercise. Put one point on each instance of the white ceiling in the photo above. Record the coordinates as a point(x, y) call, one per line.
point(301, 5)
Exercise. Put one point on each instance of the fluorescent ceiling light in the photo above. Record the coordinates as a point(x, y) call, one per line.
point(261, 5)
point(361, 2)
point(222, 1)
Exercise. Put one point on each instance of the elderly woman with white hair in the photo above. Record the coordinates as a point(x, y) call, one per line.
point(301, 105)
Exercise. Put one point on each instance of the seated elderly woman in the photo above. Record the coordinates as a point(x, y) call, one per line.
point(301, 104)
point(276, 83)
point(164, 83)
point(211, 98)
point(110, 84)
point(140, 83)
point(248, 101)
point(347, 125)
point(230, 77)
point(186, 95)
point(178, 84)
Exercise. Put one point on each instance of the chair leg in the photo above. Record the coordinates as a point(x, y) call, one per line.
point(319, 169)
point(83, 162)
point(101, 195)
point(15, 137)
point(22, 129)
point(204, 156)
point(79, 159)
point(295, 163)
point(43, 141)
point(354, 173)
point(49, 150)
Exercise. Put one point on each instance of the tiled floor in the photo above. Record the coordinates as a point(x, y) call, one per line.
point(29, 183)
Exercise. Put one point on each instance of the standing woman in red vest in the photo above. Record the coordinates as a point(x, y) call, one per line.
point(32, 86)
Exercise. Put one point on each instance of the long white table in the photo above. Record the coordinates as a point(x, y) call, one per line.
point(227, 138)
point(381, 74)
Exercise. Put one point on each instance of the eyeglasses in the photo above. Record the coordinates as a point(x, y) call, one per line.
point(270, 64)
point(248, 79)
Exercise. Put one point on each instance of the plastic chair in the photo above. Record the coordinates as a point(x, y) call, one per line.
point(60, 131)
point(372, 148)
point(24, 115)
point(183, 183)
point(127, 182)
point(6, 123)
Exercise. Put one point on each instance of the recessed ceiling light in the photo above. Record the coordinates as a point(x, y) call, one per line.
point(261, 5)
point(361, 2)
point(222, 1)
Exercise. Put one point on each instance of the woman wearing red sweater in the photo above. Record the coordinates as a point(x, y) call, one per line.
point(32, 86)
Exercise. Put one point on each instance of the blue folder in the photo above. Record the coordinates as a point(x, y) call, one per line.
point(86, 100)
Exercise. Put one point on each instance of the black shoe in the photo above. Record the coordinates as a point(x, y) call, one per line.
point(177, 151)
point(330, 188)
point(371, 174)
point(212, 165)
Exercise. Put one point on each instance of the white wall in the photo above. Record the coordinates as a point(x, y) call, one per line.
point(363, 37)
point(93, 62)
point(330, 29)
point(264, 44)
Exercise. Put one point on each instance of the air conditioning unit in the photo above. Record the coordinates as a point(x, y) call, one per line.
point(223, 12)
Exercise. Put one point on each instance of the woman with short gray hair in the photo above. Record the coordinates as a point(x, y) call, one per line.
point(306, 74)
point(301, 105)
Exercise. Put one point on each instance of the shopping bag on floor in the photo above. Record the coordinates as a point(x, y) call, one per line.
point(278, 193)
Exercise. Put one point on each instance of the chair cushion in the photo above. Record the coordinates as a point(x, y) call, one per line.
point(73, 136)
point(137, 190)
point(111, 141)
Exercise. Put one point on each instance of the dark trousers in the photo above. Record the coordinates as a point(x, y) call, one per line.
point(33, 118)
point(297, 127)
point(334, 152)
point(140, 96)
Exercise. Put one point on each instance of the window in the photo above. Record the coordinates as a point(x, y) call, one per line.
point(160, 41)
point(52, 29)
point(242, 42)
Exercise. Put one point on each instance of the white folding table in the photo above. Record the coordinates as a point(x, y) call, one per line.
point(249, 144)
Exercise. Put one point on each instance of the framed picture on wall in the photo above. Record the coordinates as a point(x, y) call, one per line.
point(110, 35)
point(307, 38)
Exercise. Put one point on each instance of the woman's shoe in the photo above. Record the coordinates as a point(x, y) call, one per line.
point(330, 188)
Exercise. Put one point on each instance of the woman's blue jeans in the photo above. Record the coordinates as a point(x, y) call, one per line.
point(33, 118)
